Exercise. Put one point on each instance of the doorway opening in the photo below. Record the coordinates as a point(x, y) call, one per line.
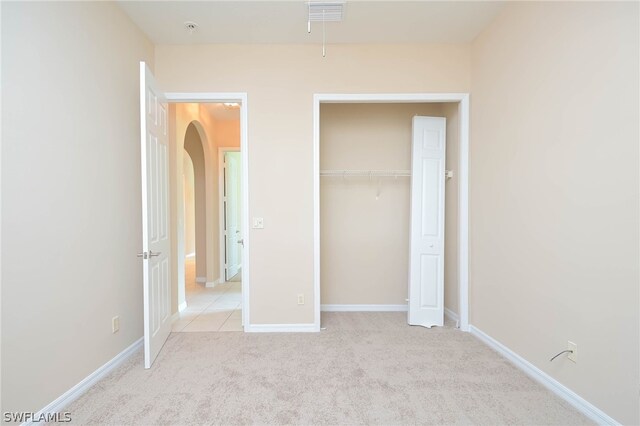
point(364, 203)
point(166, 121)
point(230, 202)
point(208, 297)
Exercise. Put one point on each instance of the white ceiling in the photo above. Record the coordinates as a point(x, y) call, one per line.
point(243, 21)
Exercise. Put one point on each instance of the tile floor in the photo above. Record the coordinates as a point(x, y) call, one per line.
point(209, 309)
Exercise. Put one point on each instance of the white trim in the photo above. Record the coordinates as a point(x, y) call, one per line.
point(546, 380)
point(243, 99)
point(78, 390)
point(316, 210)
point(364, 308)
point(207, 97)
point(389, 98)
point(221, 215)
point(451, 315)
point(211, 284)
point(176, 316)
point(182, 306)
point(191, 254)
point(201, 280)
point(463, 214)
point(244, 154)
point(463, 190)
point(282, 328)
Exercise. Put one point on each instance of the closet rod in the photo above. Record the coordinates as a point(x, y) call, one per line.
point(366, 173)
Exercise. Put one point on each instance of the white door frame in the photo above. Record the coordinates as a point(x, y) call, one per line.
point(241, 98)
point(463, 178)
point(221, 151)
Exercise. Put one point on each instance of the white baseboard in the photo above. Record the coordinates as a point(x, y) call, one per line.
point(211, 284)
point(582, 405)
point(452, 316)
point(182, 306)
point(363, 308)
point(201, 280)
point(78, 390)
point(281, 328)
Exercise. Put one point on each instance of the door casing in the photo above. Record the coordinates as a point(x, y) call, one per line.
point(462, 99)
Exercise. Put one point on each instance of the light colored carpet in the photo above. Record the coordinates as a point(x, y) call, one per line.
point(366, 368)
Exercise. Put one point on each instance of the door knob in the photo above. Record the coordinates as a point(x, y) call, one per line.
point(147, 255)
point(241, 241)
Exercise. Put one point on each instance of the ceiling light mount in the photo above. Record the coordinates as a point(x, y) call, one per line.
point(191, 26)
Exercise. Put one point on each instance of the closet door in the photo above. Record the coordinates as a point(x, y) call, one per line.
point(426, 269)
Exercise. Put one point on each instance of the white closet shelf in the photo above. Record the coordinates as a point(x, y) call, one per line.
point(365, 173)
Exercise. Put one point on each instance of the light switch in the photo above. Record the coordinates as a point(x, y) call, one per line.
point(258, 223)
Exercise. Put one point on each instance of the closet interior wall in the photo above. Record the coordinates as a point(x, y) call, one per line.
point(364, 223)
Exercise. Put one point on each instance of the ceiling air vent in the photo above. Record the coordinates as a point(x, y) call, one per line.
point(331, 11)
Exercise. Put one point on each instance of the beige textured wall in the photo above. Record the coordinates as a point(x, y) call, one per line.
point(280, 81)
point(71, 214)
point(554, 193)
point(364, 240)
point(189, 205)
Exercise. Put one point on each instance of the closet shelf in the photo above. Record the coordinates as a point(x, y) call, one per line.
point(365, 173)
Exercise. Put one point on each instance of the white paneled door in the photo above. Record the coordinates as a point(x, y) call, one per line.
point(155, 215)
point(426, 269)
point(232, 207)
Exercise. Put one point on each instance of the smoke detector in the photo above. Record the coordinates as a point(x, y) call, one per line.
point(326, 11)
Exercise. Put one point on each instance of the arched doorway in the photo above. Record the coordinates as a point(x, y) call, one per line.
point(194, 150)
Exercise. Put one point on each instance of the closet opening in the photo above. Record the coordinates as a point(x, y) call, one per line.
point(367, 192)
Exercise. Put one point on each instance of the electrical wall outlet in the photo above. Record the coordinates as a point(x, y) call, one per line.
point(573, 356)
point(258, 223)
point(301, 299)
point(115, 324)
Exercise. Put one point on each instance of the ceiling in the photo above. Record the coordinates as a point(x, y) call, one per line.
point(285, 22)
point(221, 112)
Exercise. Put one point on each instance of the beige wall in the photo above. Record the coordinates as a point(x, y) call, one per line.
point(193, 145)
point(554, 193)
point(189, 205)
point(364, 240)
point(227, 133)
point(71, 211)
point(280, 82)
